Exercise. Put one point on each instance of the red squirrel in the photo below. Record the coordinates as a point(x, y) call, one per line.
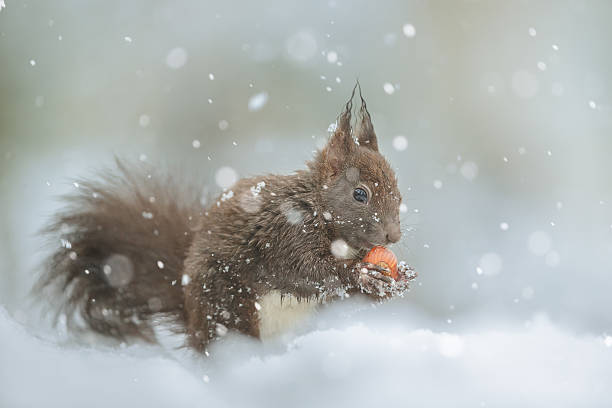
point(136, 245)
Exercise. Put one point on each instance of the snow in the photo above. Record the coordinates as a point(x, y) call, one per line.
point(368, 362)
point(527, 292)
point(400, 143)
point(518, 94)
point(226, 195)
point(256, 189)
point(258, 101)
point(539, 243)
point(144, 120)
point(301, 46)
point(552, 259)
point(119, 270)
point(490, 264)
point(469, 170)
point(332, 57)
point(223, 124)
point(388, 88)
point(176, 58)
point(293, 215)
point(340, 249)
point(155, 304)
point(185, 279)
point(409, 30)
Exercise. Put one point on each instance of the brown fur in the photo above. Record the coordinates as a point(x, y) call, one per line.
point(265, 233)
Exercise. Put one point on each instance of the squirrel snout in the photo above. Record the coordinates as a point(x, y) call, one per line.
point(393, 233)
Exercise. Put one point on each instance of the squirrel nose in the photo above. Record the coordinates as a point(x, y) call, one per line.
point(393, 233)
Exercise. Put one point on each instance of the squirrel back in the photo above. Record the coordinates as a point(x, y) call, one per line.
point(136, 246)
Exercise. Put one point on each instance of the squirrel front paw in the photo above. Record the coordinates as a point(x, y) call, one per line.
point(374, 280)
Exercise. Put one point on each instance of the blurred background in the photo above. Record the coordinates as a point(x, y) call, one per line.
point(496, 115)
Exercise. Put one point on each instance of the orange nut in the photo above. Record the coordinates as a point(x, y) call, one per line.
point(382, 256)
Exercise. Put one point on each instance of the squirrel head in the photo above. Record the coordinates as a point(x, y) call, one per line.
point(358, 188)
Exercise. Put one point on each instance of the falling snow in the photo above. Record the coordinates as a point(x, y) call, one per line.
point(256, 189)
point(539, 243)
point(400, 143)
point(469, 170)
point(144, 120)
point(485, 161)
point(490, 264)
point(225, 177)
point(332, 57)
point(409, 30)
point(258, 101)
point(176, 58)
point(340, 249)
point(388, 88)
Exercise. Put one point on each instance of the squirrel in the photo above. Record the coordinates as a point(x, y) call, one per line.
point(135, 246)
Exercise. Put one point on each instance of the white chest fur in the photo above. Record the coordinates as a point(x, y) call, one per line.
point(279, 314)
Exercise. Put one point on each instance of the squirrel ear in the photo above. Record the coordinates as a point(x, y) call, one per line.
point(365, 131)
point(341, 143)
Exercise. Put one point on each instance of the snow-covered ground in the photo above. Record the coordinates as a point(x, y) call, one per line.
point(367, 362)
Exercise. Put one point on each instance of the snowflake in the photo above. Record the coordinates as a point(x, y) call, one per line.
point(227, 196)
point(257, 189)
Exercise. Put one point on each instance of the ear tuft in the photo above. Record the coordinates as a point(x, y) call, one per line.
point(365, 132)
point(341, 144)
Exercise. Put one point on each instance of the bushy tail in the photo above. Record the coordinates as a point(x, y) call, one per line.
point(122, 241)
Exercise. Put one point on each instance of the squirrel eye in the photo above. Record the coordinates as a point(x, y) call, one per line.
point(360, 195)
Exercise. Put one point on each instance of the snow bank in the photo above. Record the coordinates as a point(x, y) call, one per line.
point(362, 364)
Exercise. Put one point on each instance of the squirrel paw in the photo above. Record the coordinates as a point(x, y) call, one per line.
point(374, 280)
